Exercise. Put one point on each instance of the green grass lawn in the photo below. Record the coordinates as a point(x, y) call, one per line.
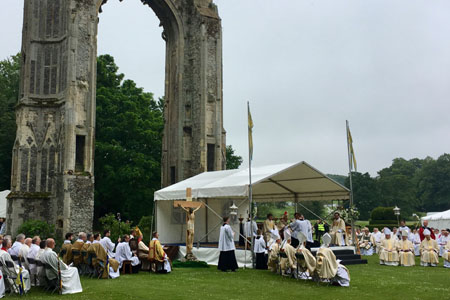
point(370, 281)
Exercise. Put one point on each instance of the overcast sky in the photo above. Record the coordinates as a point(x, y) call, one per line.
point(306, 66)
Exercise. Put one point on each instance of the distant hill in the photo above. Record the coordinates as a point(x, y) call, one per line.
point(339, 178)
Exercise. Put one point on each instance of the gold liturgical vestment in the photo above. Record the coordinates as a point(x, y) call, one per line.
point(429, 252)
point(156, 251)
point(336, 236)
point(406, 253)
point(446, 254)
point(388, 250)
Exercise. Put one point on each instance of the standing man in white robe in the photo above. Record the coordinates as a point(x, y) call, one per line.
point(402, 228)
point(123, 252)
point(250, 229)
point(416, 242)
point(227, 257)
point(70, 280)
point(442, 241)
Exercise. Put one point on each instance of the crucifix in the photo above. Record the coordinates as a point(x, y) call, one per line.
point(190, 207)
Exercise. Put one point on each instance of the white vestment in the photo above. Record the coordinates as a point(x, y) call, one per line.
point(14, 272)
point(226, 238)
point(249, 229)
point(108, 245)
point(34, 249)
point(123, 252)
point(442, 241)
point(69, 275)
point(260, 245)
point(14, 250)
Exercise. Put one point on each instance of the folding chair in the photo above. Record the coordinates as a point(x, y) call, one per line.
point(52, 284)
point(33, 274)
point(11, 276)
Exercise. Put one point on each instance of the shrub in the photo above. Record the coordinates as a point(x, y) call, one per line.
point(37, 227)
point(383, 213)
point(110, 222)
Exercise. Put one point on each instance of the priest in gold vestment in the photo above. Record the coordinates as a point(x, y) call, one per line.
point(406, 251)
point(429, 250)
point(388, 250)
point(338, 231)
point(156, 253)
point(446, 255)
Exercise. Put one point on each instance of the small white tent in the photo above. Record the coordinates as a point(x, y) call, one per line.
point(3, 202)
point(440, 220)
point(220, 189)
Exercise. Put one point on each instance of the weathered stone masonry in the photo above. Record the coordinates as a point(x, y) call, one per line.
point(53, 155)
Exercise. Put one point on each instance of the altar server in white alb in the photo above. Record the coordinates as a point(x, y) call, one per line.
point(107, 244)
point(415, 239)
point(377, 235)
point(429, 251)
point(123, 252)
point(260, 251)
point(70, 279)
point(227, 257)
point(442, 241)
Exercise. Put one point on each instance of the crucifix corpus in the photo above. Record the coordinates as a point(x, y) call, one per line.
point(190, 207)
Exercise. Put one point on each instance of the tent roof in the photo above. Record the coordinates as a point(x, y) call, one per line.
point(283, 182)
point(444, 215)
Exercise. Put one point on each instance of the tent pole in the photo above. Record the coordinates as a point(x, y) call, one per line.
point(250, 190)
point(350, 179)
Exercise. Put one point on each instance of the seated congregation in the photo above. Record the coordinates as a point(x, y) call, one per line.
point(32, 262)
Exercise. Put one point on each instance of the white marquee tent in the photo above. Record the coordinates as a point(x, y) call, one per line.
point(439, 220)
point(3, 202)
point(220, 189)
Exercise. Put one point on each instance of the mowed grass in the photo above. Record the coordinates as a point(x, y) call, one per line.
point(370, 281)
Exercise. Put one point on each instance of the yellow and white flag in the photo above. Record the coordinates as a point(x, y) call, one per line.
point(250, 130)
point(350, 148)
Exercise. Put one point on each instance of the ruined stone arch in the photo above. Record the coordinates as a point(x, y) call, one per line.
point(55, 182)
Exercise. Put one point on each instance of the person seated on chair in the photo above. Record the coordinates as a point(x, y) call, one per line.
point(388, 249)
point(89, 238)
point(274, 249)
point(23, 254)
point(442, 241)
point(13, 270)
point(70, 280)
point(406, 251)
point(20, 241)
point(429, 250)
point(34, 249)
point(366, 242)
point(156, 254)
point(328, 268)
point(97, 237)
point(337, 232)
point(307, 262)
point(289, 263)
point(446, 254)
point(123, 253)
point(76, 247)
point(133, 241)
point(143, 253)
point(66, 249)
point(107, 244)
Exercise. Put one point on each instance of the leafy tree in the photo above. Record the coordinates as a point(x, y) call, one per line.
point(365, 193)
point(233, 161)
point(128, 144)
point(9, 92)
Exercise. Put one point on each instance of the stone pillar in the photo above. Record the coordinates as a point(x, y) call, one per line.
point(52, 177)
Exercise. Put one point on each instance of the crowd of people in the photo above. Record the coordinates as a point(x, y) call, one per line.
point(284, 247)
point(33, 262)
point(399, 246)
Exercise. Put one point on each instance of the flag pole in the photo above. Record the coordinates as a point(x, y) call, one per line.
point(350, 163)
point(250, 191)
